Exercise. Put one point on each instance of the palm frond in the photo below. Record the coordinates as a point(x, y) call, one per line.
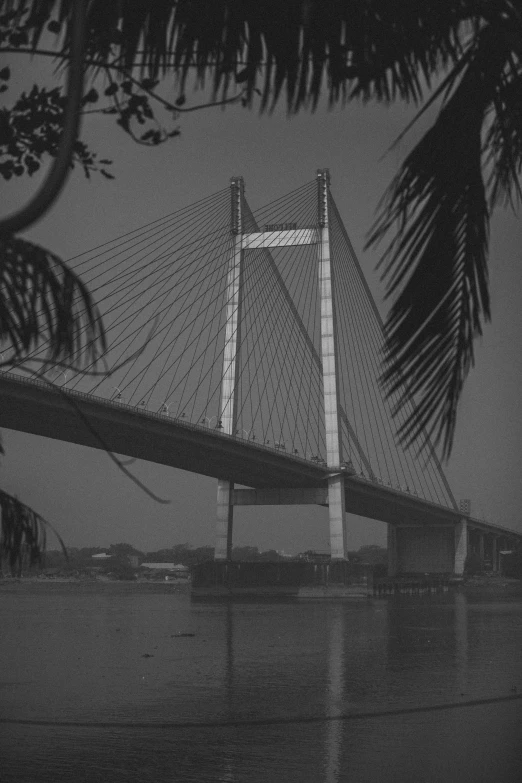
point(43, 304)
point(436, 262)
point(368, 48)
point(503, 141)
point(23, 534)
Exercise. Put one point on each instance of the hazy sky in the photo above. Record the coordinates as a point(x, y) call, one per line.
point(81, 491)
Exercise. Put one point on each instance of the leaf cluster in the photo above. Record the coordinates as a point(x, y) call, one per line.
point(45, 306)
point(133, 107)
point(438, 210)
point(22, 534)
point(371, 49)
point(32, 129)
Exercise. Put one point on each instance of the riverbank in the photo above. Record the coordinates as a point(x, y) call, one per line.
point(34, 584)
point(484, 584)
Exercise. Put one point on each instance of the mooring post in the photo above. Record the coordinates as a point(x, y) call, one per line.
point(329, 357)
point(229, 385)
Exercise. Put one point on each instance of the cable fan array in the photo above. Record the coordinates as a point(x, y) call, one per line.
point(162, 292)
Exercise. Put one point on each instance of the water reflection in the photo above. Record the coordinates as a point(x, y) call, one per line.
point(335, 692)
point(378, 655)
point(248, 663)
point(429, 637)
point(227, 775)
point(229, 657)
point(461, 641)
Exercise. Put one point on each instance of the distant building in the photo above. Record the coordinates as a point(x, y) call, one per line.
point(174, 567)
point(314, 557)
point(101, 556)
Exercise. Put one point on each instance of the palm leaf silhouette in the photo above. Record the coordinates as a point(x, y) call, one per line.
point(44, 304)
point(23, 534)
point(436, 264)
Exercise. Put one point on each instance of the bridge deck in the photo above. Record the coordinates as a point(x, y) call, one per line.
point(41, 409)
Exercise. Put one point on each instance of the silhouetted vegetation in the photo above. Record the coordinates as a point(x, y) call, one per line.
point(373, 554)
point(123, 560)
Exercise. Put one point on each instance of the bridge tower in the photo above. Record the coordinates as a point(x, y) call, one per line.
point(330, 363)
point(271, 238)
point(231, 356)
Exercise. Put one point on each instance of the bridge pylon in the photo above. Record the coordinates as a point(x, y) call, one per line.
point(273, 237)
point(231, 357)
point(330, 363)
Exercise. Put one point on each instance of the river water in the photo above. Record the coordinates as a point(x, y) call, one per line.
point(104, 682)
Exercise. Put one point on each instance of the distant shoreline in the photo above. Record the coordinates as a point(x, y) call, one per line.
point(179, 584)
point(472, 586)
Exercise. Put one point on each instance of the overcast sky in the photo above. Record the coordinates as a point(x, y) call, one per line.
point(79, 489)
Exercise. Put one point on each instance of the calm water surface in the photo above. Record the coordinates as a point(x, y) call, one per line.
point(116, 653)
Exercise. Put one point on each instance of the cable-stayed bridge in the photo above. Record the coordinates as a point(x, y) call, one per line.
point(246, 346)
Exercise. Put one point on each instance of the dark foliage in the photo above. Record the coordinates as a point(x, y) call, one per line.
point(44, 304)
point(439, 208)
point(366, 48)
point(32, 128)
point(22, 534)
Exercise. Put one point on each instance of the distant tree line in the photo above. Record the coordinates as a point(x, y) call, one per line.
point(123, 555)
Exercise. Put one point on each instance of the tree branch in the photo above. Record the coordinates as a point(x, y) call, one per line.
point(55, 180)
point(120, 69)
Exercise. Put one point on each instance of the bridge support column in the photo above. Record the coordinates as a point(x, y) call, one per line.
point(337, 515)
point(336, 499)
point(225, 521)
point(461, 547)
point(392, 550)
point(494, 553)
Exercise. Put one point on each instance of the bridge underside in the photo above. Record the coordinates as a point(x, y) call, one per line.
point(363, 498)
point(36, 408)
point(76, 418)
point(420, 541)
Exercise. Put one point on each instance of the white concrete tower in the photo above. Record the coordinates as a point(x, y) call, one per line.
point(329, 357)
point(229, 386)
